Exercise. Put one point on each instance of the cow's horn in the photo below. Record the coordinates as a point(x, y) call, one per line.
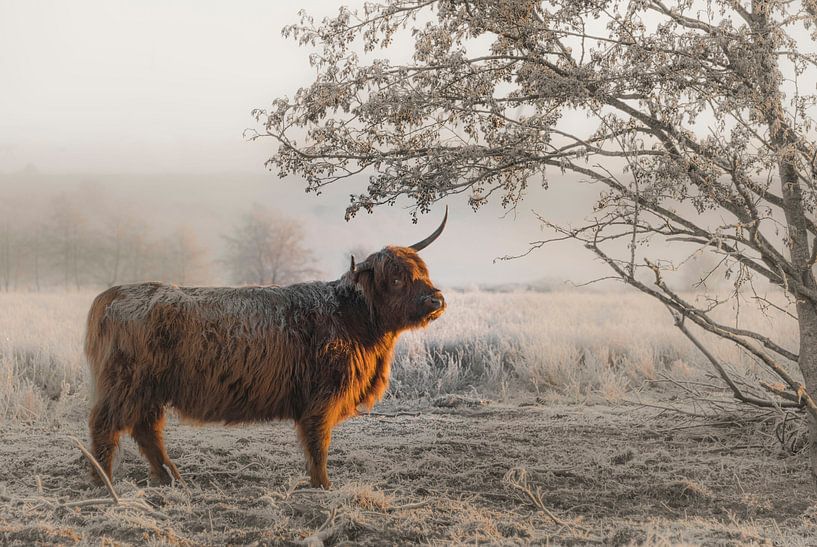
point(430, 239)
point(353, 263)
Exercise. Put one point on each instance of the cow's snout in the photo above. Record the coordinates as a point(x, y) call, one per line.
point(434, 301)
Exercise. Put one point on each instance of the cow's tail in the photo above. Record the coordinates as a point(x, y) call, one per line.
point(99, 339)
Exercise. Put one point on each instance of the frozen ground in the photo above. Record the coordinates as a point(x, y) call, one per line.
point(498, 473)
point(558, 457)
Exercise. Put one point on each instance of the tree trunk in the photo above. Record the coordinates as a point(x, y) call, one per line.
point(806, 310)
point(784, 143)
point(807, 316)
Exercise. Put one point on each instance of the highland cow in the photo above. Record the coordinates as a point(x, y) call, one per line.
point(310, 352)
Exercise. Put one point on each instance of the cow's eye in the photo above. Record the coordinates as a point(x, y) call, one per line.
point(397, 282)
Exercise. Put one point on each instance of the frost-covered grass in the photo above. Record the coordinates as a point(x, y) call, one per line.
point(42, 369)
point(562, 345)
point(573, 344)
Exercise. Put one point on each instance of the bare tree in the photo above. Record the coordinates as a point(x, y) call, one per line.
point(109, 245)
point(68, 238)
point(121, 250)
point(20, 246)
point(9, 254)
point(34, 252)
point(185, 259)
point(111, 250)
point(699, 132)
point(145, 258)
point(267, 249)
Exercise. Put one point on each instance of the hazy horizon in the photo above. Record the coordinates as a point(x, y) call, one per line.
point(110, 91)
point(212, 203)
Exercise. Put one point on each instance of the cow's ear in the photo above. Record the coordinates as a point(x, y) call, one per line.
point(363, 275)
point(364, 280)
point(360, 273)
point(357, 269)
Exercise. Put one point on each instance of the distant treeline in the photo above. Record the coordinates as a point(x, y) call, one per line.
point(66, 244)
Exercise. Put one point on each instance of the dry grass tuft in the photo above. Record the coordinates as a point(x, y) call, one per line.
point(362, 496)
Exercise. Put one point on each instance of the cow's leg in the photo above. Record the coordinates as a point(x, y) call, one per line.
point(315, 432)
point(148, 435)
point(104, 427)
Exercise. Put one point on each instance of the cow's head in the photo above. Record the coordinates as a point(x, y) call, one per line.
point(396, 283)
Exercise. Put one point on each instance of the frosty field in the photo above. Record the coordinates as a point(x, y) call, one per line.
point(517, 418)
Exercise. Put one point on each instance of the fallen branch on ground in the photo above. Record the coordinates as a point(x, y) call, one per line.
point(665, 408)
point(517, 478)
point(318, 538)
point(98, 468)
point(408, 506)
point(390, 415)
point(115, 499)
point(325, 532)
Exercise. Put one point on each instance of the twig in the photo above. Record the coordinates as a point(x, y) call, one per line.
point(407, 506)
point(667, 408)
point(114, 499)
point(329, 520)
point(173, 479)
point(693, 426)
point(98, 468)
point(308, 491)
point(324, 533)
point(665, 378)
point(123, 502)
point(733, 448)
point(392, 415)
point(518, 479)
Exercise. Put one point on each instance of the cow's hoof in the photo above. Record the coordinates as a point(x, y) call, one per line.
point(325, 485)
point(160, 479)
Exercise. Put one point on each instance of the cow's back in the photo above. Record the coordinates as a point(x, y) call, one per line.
point(233, 354)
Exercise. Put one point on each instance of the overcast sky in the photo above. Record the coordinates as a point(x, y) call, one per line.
point(106, 87)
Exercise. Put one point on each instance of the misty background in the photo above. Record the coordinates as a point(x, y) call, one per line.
point(122, 156)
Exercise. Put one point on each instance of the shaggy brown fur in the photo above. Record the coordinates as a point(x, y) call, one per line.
point(311, 352)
